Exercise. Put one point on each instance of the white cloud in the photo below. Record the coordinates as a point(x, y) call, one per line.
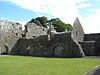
point(67, 10)
point(84, 5)
point(91, 23)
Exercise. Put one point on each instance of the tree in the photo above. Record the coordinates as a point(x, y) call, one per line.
point(43, 20)
point(56, 22)
point(59, 25)
point(35, 21)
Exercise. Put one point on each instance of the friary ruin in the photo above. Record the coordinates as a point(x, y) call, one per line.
point(36, 40)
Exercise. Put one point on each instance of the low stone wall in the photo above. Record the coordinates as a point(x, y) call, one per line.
point(91, 37)
point(97, 46)
point(88, 48)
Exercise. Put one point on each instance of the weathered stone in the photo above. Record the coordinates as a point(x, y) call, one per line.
point(60, 45)
point(21, 47)
point(32, 30)
point(58, 51)
point(88, 48)
point(91, 44)
point(9, 31)
point(34, 41)
point(77, 31)
point(91, 37)
point(97, 46)
point(51, 31)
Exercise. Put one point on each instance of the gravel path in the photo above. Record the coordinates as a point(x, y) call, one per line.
point(92, 57)
point(95, 71)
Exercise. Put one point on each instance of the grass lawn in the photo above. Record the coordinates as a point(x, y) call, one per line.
point(20, 65)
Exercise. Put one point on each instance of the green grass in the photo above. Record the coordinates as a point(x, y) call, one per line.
point(20, 65)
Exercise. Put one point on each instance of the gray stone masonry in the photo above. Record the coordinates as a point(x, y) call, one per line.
point(77, 31)
point(60, 45)
point(36, 40)
point(88, 48)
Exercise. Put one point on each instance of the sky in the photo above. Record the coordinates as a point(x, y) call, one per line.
point(22, 11)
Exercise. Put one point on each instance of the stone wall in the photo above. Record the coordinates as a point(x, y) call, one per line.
point(32, 30)
point(88, 48)
point(10, 32)
point(91, 37)
point(77, 31)
point(7, 44)
point(10, 29)
point(36, 41)
point(91, 44)
point(97, 46)
point(60, 45)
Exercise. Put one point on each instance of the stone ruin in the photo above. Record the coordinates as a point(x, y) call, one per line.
point(36, 40)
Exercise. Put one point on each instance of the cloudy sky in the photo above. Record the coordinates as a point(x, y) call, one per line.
point(22, 11)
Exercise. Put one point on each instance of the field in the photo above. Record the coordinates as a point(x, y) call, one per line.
point(24, 65)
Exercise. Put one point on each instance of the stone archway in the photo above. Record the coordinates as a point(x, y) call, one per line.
point(59, 51)
point(6, 49)
point(97, 46)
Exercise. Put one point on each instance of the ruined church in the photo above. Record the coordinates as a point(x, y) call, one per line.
point(36, 40)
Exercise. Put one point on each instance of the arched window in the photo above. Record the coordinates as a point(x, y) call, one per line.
point(76, 33)
point(16, 34)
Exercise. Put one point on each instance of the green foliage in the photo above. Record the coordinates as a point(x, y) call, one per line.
point(35, 21)
point(23, 65)
point(60, 26)
point(56, 22)
point(42, 20)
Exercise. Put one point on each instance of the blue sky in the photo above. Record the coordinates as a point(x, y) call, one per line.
point(22, 11)
point(12, 12)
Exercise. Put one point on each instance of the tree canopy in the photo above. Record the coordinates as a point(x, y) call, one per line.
point(43, 20)
point(56, 22)
point(60, 26)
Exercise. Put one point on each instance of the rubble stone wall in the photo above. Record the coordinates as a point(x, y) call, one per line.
point(91, 37)
point(88, 48)
point(60, 45)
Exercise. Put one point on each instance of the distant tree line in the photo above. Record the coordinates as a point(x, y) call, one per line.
point(56, 22)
